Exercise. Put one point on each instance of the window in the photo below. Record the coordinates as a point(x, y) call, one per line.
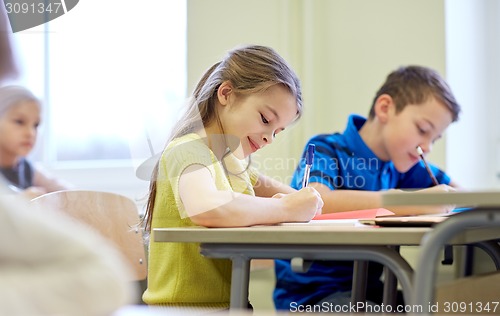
point(112, 78)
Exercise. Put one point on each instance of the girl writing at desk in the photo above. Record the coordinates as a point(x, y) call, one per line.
point(238, 107)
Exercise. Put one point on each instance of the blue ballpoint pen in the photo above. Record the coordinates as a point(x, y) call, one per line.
point(309, 161)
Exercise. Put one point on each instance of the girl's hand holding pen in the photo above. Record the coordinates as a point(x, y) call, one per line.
point(301, 206)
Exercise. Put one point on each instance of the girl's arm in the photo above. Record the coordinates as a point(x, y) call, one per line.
point(210, 207)
point(351, 200)
point(268, 187)
point(43, 183)
point(46, 182)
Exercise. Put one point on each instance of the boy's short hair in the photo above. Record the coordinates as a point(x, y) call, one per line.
point(414, 85)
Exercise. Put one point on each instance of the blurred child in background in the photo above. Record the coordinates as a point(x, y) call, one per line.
point(20, 116)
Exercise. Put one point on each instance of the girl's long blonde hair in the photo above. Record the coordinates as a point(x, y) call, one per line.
point(249, 69)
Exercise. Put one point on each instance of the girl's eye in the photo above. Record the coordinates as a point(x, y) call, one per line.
point(264, 120)
point(277, 132)
point(421, 131)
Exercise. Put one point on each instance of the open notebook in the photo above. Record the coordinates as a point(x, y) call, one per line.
point(405, 221)
point(412, 221)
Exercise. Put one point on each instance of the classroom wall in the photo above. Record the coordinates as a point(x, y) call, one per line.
point(342, 51)
point(473, 47)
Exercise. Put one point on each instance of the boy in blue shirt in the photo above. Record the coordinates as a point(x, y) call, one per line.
point(412, 108)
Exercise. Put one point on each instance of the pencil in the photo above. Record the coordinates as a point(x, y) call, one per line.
point(309, 161)
point(421, 154)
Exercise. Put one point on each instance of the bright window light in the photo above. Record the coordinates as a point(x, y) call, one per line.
point(112, 75)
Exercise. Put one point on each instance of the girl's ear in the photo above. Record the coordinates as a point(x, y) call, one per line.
point(384, 107)
point(224, 91)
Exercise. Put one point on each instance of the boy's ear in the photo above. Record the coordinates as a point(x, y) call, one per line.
point(224, 91)
point(384, 107)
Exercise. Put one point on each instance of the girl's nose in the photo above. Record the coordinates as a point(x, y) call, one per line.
point(268, 139)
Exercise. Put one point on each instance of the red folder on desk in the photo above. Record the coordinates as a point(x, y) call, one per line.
point(360, 214)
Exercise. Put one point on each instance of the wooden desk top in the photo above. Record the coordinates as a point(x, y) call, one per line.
point(313, 235)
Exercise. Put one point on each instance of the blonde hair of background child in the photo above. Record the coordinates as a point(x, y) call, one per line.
point(249, 69)
point(12, 95)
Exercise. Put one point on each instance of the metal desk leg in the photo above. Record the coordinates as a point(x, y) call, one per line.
point(390, 288)
point(492, 248)
point(423, 292)
point(360, 274)
point(239, 282)
point(390, 284)
point(468, 261)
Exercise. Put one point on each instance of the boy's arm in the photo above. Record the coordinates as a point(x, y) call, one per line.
point(454, 185)
point(351, 200)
